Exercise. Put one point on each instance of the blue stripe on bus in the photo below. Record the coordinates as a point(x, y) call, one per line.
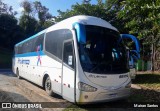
point(41, 53)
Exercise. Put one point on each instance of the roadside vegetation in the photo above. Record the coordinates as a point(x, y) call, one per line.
point(5, 58)
point(148, 81)
point(150, 88)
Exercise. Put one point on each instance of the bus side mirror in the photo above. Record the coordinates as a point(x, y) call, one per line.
point(81, 33)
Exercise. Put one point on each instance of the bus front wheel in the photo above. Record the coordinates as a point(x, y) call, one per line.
point(17, 73)
point(48, 86)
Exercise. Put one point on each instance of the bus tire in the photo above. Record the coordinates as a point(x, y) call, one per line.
point(17, 73)
point(48, 86)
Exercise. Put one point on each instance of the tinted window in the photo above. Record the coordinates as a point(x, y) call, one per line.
point(38, 41)
point(103, 53)
point(31, 45)
point(68, 56)
point(54, 41)
point(26, 47)
point(16, 50)
point(20, 49)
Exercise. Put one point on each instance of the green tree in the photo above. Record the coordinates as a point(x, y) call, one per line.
point(10, 31)
point(113, 7)
point(82, 9)
point(107, 11)
point(29, 24)
point(27, 6)
point(43, 14)
point(27, 21)
point(143, 19)
point(35, 17)
point(5, 9)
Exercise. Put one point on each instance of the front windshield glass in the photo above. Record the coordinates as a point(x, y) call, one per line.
point(103, 51)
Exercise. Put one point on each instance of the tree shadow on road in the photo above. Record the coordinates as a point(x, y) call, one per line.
point(144, 95)
point(54, 96)
point(7, 72)
point(9, 97)
point(147, 78)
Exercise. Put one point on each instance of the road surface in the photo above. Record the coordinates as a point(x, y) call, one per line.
point(14, 90)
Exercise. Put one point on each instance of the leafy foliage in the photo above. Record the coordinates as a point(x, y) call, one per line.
point(143, 18)
point(29, 23)
point(42, 12)
point(102, 10)
point(83, 9)
point(27, 6)
point(5, 9)
point(10, 32)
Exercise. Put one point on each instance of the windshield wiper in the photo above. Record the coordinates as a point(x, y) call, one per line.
point(95, 67)
point(104, 63)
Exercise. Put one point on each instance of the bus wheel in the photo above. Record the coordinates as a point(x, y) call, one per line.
point(48, 86)
point(17, 73)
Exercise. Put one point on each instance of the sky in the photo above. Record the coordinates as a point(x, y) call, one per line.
point(52, 5)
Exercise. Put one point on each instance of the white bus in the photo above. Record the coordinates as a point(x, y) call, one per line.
point(81, 58)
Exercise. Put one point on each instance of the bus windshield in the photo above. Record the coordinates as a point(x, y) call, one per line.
point(103, 51)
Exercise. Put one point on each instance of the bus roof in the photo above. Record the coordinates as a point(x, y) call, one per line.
point(83, 19)
point(68, 24)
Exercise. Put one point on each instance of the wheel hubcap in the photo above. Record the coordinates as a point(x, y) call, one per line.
point(48, 85)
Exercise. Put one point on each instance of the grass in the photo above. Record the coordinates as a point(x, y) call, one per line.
point(148, 81)
point(74, 108)
point(5, 58)
point(150, 92)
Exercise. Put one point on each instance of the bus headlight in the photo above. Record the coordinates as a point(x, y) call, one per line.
point(85, 87)
point(128, 85)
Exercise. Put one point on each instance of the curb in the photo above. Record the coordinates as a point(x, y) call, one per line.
point(135, 86)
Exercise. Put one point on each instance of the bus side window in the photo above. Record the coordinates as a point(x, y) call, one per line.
point(68, 56)
point(54, 41)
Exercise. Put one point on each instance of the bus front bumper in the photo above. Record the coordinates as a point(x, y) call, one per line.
point(103, 96)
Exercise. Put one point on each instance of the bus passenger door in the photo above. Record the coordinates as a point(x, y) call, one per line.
point(68, 71)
